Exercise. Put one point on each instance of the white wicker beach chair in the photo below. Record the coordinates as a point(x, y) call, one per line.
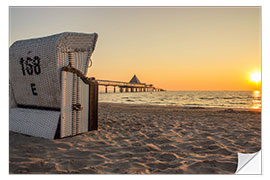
point(50, 94)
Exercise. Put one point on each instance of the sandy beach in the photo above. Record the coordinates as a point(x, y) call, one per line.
point(141, 139)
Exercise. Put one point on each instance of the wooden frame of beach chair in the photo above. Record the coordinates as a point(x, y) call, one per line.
point(50, 94)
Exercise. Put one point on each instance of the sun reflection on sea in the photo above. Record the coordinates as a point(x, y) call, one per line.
point(256, 102)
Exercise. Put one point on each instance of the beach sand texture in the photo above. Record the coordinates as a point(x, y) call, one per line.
point(141, 139)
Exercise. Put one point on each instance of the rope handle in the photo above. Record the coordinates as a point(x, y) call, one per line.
point(71, 69)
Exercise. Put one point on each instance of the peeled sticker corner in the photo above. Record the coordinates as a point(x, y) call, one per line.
point(249, 163)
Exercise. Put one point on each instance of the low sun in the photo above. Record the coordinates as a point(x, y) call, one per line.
point(255, 76)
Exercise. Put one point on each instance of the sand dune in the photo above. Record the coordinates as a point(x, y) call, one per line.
point(140, 139)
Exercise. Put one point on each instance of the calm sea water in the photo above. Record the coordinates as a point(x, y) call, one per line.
point(224, 99)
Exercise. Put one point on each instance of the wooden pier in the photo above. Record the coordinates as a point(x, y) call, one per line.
point(133, 86)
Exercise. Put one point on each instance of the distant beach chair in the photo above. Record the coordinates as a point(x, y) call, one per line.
point(50, 94)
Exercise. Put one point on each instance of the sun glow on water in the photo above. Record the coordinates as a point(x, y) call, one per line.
point(256, 102)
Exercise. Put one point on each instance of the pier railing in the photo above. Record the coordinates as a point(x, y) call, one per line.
point(127, 87)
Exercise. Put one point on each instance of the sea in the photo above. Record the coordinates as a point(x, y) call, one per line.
point(220, 99)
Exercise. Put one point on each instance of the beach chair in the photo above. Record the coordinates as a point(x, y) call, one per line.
point(51, 95)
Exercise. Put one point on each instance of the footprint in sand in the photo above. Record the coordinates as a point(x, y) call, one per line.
point(168, 147)
point(167, 157)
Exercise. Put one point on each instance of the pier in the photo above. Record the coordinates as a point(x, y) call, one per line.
point(134, 85)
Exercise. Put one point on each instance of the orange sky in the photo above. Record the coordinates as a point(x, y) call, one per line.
point(188, 48)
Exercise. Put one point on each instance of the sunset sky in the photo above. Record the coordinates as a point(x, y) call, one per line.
point(175, 48)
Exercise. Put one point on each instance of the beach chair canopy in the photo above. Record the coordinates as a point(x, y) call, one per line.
point(35, 66)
